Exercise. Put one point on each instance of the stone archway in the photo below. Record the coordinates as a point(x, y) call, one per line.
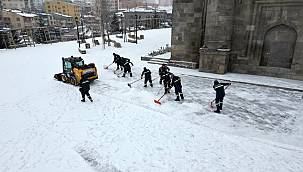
point(279, 46)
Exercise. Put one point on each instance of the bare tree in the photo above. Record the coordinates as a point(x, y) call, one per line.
point(102, 11)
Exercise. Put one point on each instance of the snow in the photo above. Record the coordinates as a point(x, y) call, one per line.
point(21, 13)
point(165, 56)
point(27, 15)
point(252, 79)
point(168, 9)
point(45, 127)
point(63, 15)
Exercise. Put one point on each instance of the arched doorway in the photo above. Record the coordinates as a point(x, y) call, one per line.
point(279, 45)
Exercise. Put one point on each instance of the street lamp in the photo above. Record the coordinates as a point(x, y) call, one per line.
point(78, 36)
point(83, 38)
point(136, 28)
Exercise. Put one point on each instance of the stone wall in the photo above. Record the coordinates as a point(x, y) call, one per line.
point(273, 43)
point(187, 29)
point(265, 37)
point(214, 61)
point(219, 22)
point(1, 20)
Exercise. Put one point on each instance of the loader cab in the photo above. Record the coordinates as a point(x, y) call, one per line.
point(71, 62)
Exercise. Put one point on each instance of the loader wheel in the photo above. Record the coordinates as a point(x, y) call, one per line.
point(64, 78)
point(73, 81)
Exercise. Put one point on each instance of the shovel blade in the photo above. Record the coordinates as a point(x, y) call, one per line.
point(157, 102)
point(130, 86)
point(211, 106)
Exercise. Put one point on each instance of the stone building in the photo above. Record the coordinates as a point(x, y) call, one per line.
point(16, 19)
point(1, 19)
point(262, 37)
point(20, 4)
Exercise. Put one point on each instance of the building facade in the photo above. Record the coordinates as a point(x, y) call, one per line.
point(18, 4)
point(85, 6)
point(146, 17)
point(165, 2)
point(110, 6)
point(62, 7)
point(262, 37)
point(1, 19)
point(36, 5)
point(15, 19)
point(127, 4)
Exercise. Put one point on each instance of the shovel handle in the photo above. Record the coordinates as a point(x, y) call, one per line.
point(136, 80)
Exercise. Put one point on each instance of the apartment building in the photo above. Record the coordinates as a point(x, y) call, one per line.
point(113, 5)
point(108, 6)
point(62, 7)
point(16, 19)
point(128, 4)
point(16, 4)
point(36, 5)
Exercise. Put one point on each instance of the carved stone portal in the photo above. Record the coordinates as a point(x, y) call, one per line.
point(279, 45)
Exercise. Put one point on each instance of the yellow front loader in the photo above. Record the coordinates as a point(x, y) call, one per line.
point(74, 70)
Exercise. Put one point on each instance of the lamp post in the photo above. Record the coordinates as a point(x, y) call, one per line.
point(136, 29)
point(82, 39)
point(78, 36)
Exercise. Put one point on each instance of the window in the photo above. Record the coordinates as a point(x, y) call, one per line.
point(67, 66)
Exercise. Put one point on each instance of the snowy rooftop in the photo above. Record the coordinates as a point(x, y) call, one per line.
point(63, 15)
point(148, 9)
point(88, 16)
point(168, 9)
point(23, 14)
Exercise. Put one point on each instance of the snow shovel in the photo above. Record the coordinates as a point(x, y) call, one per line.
point(118, 74)
point(158, 101)
point(155, 78)
point(106, 67)
point(130, 84)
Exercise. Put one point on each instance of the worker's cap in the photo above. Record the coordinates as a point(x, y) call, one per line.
point(216, 82)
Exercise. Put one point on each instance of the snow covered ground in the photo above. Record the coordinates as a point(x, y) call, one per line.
point(45, 127)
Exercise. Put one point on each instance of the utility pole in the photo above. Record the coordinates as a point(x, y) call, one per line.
point(83, 39)
point(77, 24)
point(136, 35)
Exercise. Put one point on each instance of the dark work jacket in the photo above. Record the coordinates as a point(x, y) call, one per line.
point(166, 78)
point(220, 91)
point(176, 82)
point(126, 63)
point(84, 86)
point(163, 70)
point(146, 73)
point(117, 59)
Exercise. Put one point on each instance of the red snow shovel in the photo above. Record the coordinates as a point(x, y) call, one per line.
point(130, 84)
point(158, 101)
